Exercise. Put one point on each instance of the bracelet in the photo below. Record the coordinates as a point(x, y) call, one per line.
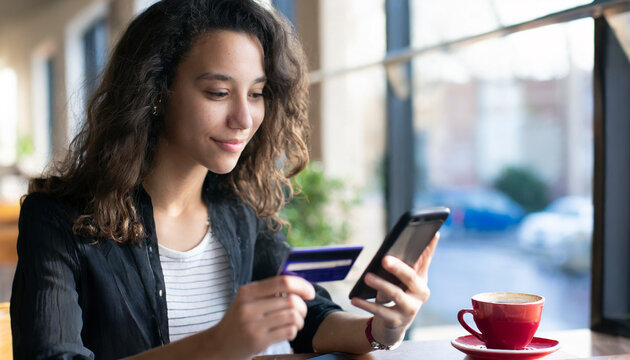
point(375, 344)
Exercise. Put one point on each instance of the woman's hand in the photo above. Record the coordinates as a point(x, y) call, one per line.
point(263, 313)
point(391, 322)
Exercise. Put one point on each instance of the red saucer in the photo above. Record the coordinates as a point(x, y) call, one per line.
point(476, 349)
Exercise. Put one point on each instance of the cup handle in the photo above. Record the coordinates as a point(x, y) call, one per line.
point(460, 318)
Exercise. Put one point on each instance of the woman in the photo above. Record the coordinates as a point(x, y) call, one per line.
point(157, 236)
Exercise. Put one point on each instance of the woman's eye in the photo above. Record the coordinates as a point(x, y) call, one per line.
point(257, 95)
point(217, 94)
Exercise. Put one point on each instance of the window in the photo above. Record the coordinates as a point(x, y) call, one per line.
point(43, 103)
point(611, 298)
point(50, 102)
point(286, 7)
point(140, 5)
point(502, 134)
point(8, 104)
point(85, 54)
point(94, 55)
point(501, 130)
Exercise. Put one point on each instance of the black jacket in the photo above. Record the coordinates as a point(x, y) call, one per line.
point(76, 298)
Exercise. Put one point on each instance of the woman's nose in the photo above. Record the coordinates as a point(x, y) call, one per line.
point(240, 116)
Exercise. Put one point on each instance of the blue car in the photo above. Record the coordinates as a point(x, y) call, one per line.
point(476, 209)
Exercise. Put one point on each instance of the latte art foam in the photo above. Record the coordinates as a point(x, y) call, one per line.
point(507, 298)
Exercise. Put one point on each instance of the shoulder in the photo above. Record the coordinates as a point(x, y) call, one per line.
point(38, 199)
point(39, 206)
point(46, 224)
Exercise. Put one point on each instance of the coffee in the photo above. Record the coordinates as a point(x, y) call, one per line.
point(507, 298)
point(505, 320)
point(509, 302)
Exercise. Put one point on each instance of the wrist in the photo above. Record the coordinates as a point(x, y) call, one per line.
point(210, 344)
point(215, 346)
point(375, 343)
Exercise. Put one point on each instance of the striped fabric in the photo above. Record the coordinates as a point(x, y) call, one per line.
point(198, 286)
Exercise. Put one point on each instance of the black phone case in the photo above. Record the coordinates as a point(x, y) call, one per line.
point(418, 229)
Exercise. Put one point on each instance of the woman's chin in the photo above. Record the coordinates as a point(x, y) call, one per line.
point(222, 169)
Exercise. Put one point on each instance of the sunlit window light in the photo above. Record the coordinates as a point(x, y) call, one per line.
point(140, 5)
point(620, 24)
point(9, 116)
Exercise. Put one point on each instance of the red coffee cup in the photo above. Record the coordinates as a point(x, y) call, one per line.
point(506, 320)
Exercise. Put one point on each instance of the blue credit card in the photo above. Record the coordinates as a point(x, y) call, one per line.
point(321, 263)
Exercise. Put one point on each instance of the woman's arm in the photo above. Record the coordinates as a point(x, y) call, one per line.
point(346, 332)
point(45, 314)
point(337, 333)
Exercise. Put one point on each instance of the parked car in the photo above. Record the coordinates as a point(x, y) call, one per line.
point(562, 232)
point(478, 209)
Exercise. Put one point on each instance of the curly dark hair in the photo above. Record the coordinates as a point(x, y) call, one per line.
point(115, 148)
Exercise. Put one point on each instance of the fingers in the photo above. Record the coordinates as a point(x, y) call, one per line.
point(260, 318)
point(373, 308)
point(406, 304)
point(259, 299)
point(261, 308)
point(405, 273)
point(278, 285)
point(416, 283)
point(279, 326)
point(284, 318)
point(255, 336)
point(283, 333)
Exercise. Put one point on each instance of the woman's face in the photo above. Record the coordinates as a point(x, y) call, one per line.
point(216, 100)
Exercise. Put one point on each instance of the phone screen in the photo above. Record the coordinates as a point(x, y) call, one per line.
point(416, 236)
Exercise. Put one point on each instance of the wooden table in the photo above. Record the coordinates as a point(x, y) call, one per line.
point(575, 344)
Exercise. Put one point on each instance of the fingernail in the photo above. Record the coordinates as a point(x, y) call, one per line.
point(388, 261)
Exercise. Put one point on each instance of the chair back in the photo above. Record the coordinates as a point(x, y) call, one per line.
point(6, 345)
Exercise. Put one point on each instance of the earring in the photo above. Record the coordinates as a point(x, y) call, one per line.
point(155, 107)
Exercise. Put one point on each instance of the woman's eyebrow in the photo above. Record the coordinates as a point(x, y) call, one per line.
point(214, 76)
point(260, 79)
point(223, 77)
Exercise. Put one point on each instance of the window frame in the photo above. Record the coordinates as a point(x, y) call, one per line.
point(611, 199)
point(399, 148)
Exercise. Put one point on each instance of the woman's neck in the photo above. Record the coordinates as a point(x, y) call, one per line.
point(174, 186)
point(179, 212)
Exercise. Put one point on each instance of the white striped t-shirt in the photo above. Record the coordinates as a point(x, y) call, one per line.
point(198, 286)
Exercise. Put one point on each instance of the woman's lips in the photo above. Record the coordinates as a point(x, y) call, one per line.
point(232, 145)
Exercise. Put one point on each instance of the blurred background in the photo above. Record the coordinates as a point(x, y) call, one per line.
point(484, 106)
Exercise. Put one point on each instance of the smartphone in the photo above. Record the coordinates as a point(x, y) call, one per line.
point(406, 240)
